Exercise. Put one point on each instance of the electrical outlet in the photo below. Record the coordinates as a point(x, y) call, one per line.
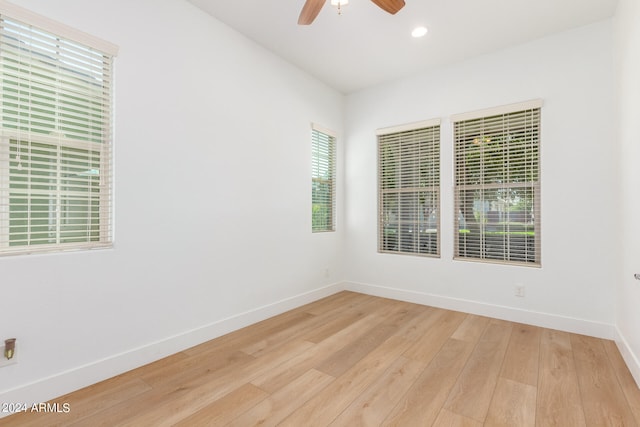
point(327, 273)
point(520, 291)
point(6, 362)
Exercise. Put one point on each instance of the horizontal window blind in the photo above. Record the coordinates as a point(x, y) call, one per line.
point(55, 142)
point(323, 180)
point(409, 191)
point(497, 187)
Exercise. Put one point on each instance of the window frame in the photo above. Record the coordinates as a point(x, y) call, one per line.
point(486, 250)
point(319, 133)
point(80, 196)
point(399, 135)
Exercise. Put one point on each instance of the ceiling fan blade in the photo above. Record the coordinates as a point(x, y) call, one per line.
point(391, 6)
point(310, 10)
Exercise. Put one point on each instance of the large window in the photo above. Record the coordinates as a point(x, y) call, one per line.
point(497, 184)
point(55, 136)
point(323, 179)
point(409, 189)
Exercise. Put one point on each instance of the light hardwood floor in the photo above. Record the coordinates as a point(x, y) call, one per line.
point(358, 360)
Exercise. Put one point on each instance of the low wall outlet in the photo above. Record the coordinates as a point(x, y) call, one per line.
point(7, 362)
point(520, 291)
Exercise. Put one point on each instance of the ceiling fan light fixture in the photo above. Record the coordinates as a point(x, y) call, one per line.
point(311, 8)
point(339, 4)
point(419, 32)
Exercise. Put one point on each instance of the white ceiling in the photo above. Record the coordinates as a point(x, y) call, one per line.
point(366, 46)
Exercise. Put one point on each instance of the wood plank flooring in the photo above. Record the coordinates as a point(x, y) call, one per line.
point(357, 360)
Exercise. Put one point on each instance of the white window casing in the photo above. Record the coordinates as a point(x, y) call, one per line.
point(323, 179)
point(55, 136)
point(409, 189)
point(497, 184)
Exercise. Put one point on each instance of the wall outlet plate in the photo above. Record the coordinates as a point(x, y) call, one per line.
point(3, 360)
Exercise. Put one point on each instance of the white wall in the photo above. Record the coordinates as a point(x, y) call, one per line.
point(213, 233)
point(627, 49)
point(574, 290)
point(212, 197)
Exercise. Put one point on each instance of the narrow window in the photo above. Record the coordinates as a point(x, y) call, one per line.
point(497, 184)
point(409, 189)
point(323, 180)
point(55, 137)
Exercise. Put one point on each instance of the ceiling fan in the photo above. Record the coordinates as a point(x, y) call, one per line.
point(311, 8)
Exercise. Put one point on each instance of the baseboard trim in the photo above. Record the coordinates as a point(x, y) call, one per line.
point(545, 320)
point(629, 357)
point(66, 382)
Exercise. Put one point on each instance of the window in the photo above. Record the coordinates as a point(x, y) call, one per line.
point(55, 136)
point(323, 180)
point(497, 184)
point(409, 189)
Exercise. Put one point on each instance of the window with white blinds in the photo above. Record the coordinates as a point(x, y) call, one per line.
point(409, 189)
point(55, 138)
point(497, 184)
point(323, 180)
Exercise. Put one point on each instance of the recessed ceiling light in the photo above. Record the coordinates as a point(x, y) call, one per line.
point(419, 32)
